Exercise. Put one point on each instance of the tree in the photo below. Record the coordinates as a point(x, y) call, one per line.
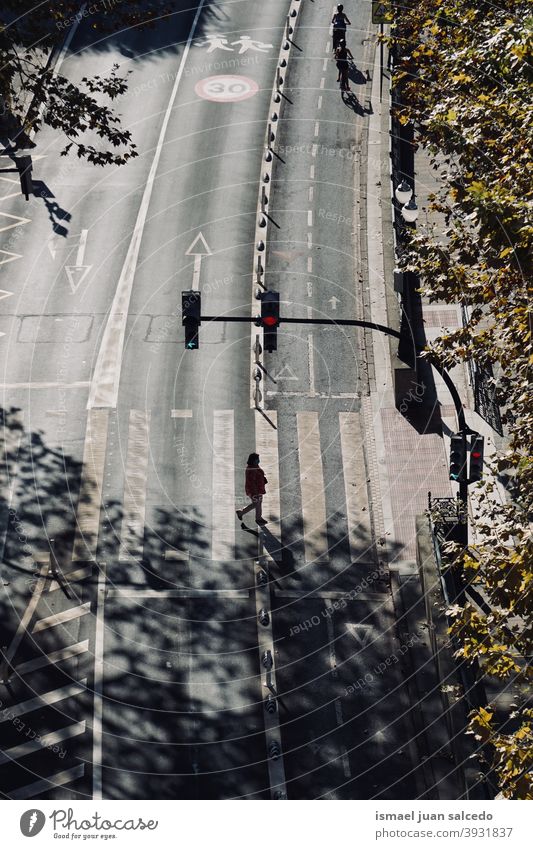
point(28, 32)
point(465, 83)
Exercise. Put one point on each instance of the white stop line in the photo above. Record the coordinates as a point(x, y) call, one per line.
point(226, 88)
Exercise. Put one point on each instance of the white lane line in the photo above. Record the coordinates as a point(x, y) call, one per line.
point(98, 701)
point(331, 649)
point(136, 473)
point(328, 45)
point(322, 83)
point(223, 511)
point(309, 289)
point(340, 724)
point(325, 65)
point(353, 465)
point(317, 128)
point(106, 376)
point(309, 240)
point(79, 384)
point(310, 315)
point(312, 488)
point(327, 595)
point(181, 414)
point(51, 783)
point(43, 700)
point(174, 554)
point(43, 742)
point(311, 193)
point(312, 172)
point(126, 592)
point(309, 264)
point(319, 102)
point(92, 478)
point(314, 149)
point(61, 618)
point(309, 217)
point(9, 654)
point(266, 440)
point(52, 658)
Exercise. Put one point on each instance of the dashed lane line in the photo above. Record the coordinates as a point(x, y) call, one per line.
point(91, 488)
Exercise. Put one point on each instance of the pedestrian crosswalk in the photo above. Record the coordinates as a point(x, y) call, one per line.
point(298, 484)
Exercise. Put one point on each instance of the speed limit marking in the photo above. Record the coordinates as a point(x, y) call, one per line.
point(227, 88)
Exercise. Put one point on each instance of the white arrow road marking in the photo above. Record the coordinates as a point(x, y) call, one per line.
point(77, 273)
point(106, 376)
point(362, 634)
point(286, 373)
point(11, 194)
point(198, 248)
point(9, 257)
point(333, 301)
point(5, 294)
point(18, 221)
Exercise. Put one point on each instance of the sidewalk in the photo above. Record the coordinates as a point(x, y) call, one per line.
point(408, 451)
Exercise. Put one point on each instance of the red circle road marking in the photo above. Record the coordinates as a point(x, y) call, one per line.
point(226, 88)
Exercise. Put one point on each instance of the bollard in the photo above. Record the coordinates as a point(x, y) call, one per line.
point(274, 750)
point(283, 63)
point(262, 577)
point(257, 399)
point(286, 46)
point(276, 97)
point(266, 178)
point(268, 156)
point(274, 117)
point(264, 199)
point(264, 618)
point(257, 375)
point(259, 266)
point(271, 704)
point(270, 135)
point(266, 659)
point(262, 221)
point(260, 245)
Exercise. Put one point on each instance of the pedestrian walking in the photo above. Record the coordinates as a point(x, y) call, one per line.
point(254, 485)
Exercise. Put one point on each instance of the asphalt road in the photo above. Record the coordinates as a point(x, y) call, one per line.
point(140, 663)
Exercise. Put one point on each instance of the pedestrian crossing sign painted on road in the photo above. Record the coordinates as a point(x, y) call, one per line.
point(381, 11)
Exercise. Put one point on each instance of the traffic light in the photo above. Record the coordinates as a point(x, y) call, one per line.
point(457, 457)
point(475, 471)
point(25, 167)
point(191, 310)
point(270, 319)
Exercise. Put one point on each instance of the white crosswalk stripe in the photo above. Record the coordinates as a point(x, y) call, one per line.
point(30, 791)
point(223, 510)
point(62, 618)
point(88, 514)
point(266, 440)
point(135, 486)
point(44, 742)
point(312, 488)
point(52, 658)
point(45, 699)
point(353, 464)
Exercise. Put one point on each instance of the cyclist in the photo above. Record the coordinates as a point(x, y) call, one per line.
point(342, 55)
point(339, 21)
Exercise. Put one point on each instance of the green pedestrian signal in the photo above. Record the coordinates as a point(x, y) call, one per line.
point(458, 457)
point(191, 309)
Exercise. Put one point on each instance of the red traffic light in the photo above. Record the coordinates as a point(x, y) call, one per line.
point(270, 320)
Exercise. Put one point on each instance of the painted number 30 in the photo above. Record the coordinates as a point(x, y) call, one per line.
point(226, 89)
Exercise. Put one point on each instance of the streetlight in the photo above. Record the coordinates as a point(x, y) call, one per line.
point(403, 192)
point(410, 212)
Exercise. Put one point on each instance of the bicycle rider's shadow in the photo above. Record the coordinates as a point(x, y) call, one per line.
point(349, 98)
point(356, 76)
